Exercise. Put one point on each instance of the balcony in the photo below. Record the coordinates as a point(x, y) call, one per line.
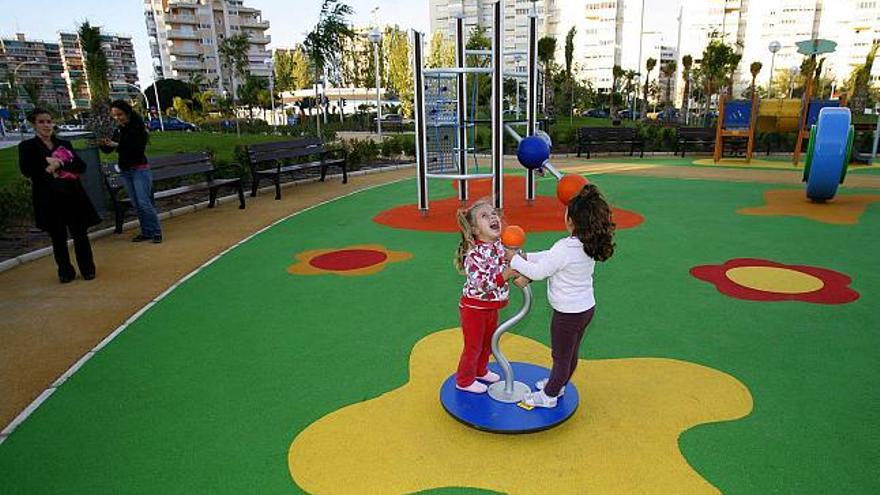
point(182, 19)
point(260, 39)
point(183, 35)
point(254, 23)
point(181, 50)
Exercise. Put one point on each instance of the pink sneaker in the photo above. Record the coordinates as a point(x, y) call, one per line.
point(489, 377)
point(475, 388)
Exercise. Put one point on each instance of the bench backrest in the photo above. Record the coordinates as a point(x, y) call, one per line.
point(284, 150)
point(696, 133)
point(607, 133)
point(167, 167)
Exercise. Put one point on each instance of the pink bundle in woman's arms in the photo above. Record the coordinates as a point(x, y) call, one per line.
point(66, 156)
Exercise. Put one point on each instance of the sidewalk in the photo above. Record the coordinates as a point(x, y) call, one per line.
point(47, 327)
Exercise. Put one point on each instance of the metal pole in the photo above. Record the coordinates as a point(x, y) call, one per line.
point(532, 94)
point(639, 67)
point(876, 137)
point(158, 105)
point(770, 83)
point(417, 44)
point(497, 116)
point(461, 107)
point(509, 390)
point(378, 97)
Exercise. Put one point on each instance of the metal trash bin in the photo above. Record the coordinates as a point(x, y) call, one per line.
point(93, 179)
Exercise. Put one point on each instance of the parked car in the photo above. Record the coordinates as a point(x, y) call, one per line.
point(72, 128)
point(627, 114)
point(171, 124)
point(599, 113)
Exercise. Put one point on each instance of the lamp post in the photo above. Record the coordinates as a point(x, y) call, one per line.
point(15, 87)
point(270, 65)
point(375, 37)
point(157, 68)
point(773, 47)
point(139, 90)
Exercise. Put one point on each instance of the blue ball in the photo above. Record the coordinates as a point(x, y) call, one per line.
point(533, 152)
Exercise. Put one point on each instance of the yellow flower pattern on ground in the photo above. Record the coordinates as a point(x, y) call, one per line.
point(844, 209)
point(622, 439)
point(774, 279)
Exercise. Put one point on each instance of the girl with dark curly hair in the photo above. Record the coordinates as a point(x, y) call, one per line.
point(569, 266)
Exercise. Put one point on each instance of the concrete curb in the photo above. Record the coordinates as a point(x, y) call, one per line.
point(183, 210)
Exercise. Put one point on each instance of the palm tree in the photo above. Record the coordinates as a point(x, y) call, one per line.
point(96, 65)
point(234, 54)
point(755, 69)
point(546, 52)
point(668, 71)
point(616, 74)
point(33, 88)
point(649, 65)
point(631, 89)
point(687, 62)
point(324, 44)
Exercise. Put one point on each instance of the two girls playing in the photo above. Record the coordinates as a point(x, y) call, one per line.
point(569, 266)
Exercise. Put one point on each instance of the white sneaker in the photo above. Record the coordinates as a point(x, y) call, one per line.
point(476, 388)
point(540, 384)
point(490, 377)
point(539, 399)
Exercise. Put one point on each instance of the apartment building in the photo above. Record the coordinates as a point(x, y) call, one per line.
point(123, 76)
point(185, 37)
point(40, 61)
point(479, 13)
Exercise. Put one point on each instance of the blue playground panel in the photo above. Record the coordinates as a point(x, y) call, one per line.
point(815, 106)
point(485, 413)
point(737, 114)
point(826, 167)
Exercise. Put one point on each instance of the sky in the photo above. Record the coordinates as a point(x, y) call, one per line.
point(289, 19)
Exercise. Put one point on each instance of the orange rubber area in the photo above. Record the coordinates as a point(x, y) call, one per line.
point(544, 214)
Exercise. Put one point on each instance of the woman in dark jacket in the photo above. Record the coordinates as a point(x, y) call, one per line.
point(130, 140)
point(60, 202)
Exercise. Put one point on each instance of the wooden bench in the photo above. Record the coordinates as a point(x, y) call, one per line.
point(279, 154)
point(591, 139)
point(164, 168)
point(703, 137)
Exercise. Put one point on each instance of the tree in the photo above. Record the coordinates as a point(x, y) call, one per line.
point(616, 75)
point(442, 51)
point(254, 92)
point(546, 53)
point(284, 66)
point(687, 63)
point(859, 81)
point(649, 65)
point(168, 89)
point(233, 52)
point(630, 88)
point(324, 44)
point(754, 69)
point(569, 54)
point(33, 88)
point(715, 67)
point(399, 71)
point(668, 71)
point(95, 62)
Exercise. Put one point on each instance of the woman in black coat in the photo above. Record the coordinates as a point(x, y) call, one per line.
point(60, 202)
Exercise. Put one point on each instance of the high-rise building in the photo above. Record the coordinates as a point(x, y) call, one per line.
point(122, 73)
point(479, 13)
point(185, 38)
point(34, 63)
point(855, 26)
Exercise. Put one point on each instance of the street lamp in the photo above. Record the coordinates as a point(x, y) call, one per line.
point(15, 87)
point(773, 47)
point(157, 67)
point(375, 37)
point(139, 90)
point(270, 65)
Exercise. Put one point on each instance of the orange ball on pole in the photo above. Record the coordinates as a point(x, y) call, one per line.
point(513, 236)
point(569, 186)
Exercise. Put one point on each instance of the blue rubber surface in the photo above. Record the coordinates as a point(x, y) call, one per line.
point(829, 154)
point(485, 413)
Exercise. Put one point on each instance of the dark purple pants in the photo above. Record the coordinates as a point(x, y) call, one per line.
point(566, 332)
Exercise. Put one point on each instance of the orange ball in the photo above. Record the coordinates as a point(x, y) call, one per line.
point(569, 186)
point(513, 236)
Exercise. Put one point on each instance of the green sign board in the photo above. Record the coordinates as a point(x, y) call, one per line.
point(815, 47)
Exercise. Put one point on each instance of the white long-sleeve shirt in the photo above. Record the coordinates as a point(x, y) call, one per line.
point(570, 273)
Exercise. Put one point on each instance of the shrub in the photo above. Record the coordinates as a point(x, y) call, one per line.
point(15, 202)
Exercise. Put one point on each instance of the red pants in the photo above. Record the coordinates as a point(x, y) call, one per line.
point(477, 326)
